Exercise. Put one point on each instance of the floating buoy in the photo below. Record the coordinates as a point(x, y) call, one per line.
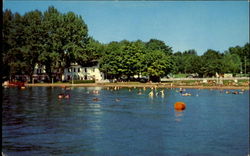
point(23, 87)
point(179, 106)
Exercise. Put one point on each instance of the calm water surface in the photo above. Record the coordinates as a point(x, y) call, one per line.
point(35, 122)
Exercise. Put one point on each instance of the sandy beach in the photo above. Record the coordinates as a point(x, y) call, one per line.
point(147, 85)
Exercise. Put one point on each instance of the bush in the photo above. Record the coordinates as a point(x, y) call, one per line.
point(82, 81)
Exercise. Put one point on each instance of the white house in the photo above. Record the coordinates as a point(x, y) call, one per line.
point(83, 73)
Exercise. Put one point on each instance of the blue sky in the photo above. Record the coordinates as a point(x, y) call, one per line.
point(183, 25)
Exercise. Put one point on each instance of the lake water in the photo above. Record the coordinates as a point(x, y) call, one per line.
point(36, 122)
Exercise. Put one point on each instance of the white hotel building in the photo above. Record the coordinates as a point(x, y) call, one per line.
point(76, 71)
point(83, 73)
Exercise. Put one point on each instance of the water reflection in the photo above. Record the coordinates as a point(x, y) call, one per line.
point(36, 122)
point(178, 115)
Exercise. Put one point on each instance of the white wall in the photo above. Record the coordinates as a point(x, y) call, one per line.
point(83, 73)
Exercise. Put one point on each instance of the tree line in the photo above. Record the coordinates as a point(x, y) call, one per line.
point(56, 40)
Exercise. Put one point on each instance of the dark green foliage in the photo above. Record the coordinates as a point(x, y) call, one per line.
point(50, 38)
point(56, 40)
point(136, 58)
point(154, 44)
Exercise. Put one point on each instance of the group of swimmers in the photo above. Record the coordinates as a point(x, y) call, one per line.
point(152, 93)
point(65, 96)
point(235, 92)
point(183, 90)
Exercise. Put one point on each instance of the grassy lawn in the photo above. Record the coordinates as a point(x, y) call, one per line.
point(180, 75)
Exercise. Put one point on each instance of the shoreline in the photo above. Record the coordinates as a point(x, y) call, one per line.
point(130, 85)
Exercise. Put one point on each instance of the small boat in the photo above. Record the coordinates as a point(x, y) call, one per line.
point(13, 84)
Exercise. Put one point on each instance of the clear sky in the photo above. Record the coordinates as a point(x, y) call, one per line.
point(183, 25)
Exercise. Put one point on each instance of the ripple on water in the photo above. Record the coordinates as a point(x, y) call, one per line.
point(35, 122)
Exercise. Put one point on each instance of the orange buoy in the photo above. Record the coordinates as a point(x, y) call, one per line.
point(179, 106)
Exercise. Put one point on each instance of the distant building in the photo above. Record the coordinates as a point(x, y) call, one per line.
point(40, 74)
point(78, 72)
point(90, 72)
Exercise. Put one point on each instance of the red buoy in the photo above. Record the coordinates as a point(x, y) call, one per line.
point(179, 106)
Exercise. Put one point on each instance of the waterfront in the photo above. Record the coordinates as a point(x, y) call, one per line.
point(121, 122)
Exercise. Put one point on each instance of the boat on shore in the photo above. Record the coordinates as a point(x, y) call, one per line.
point(13, 84)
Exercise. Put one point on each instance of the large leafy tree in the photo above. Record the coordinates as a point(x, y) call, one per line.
point(131, 58)
point(65, 42)
point(110, 62)
point(187, 62)
point(157, 64)
point(33, 40)
point(7, 44)
point(93, 51)
point(22, 45)
point(243, 53)
point(231, 63)
point(155, 44)
point(50, 38)
point(179, 62)
point(211, 63)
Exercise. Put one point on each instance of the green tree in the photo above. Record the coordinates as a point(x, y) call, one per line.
point(231, 63)
point(65, 42)
point(33, 40)
point(157, 64)
point(211, 63)
point(110, 61)
point(26, 40)
point(179, 62)
point(243, 53)
point(8, 26)
point(155, 44)
point(131, 58)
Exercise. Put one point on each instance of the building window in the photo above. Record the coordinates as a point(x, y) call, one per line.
point(74, 70)
point(40, 71)
point(37, 71)
point(69, 70)
point(79, 70)
point(85, 70)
